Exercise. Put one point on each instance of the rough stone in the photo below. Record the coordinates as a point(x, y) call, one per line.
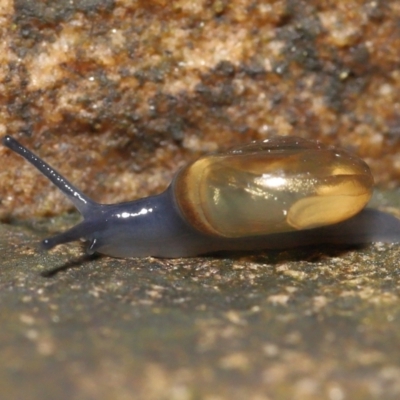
point(320, 323)
point(118, 95)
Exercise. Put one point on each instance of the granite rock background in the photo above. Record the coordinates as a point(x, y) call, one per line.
point(119, 94)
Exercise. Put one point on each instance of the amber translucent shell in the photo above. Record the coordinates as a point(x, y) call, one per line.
point(279, 185)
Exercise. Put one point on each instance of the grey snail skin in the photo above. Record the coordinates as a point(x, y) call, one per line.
point(283, 192)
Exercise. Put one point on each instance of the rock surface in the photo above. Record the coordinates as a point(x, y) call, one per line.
point(309, 324)
point(119, 94)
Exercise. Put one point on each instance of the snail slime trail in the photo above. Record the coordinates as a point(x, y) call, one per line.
point(283, 192)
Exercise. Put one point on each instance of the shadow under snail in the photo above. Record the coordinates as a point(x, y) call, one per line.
point(283, 192)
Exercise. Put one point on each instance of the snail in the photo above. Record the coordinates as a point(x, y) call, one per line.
point(280, 193)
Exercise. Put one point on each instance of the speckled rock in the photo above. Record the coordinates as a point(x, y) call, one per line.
point(309, 324)
point(118, 94)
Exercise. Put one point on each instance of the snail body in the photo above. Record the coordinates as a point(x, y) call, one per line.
point(280, 193)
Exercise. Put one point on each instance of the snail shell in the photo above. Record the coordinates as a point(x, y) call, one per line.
point(279, 185)
point(280, 193)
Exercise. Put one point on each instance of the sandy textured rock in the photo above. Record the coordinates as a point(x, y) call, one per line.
point(312, 324)
point(118, 94)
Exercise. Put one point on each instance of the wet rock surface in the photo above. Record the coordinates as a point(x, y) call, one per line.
point(319, 323)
